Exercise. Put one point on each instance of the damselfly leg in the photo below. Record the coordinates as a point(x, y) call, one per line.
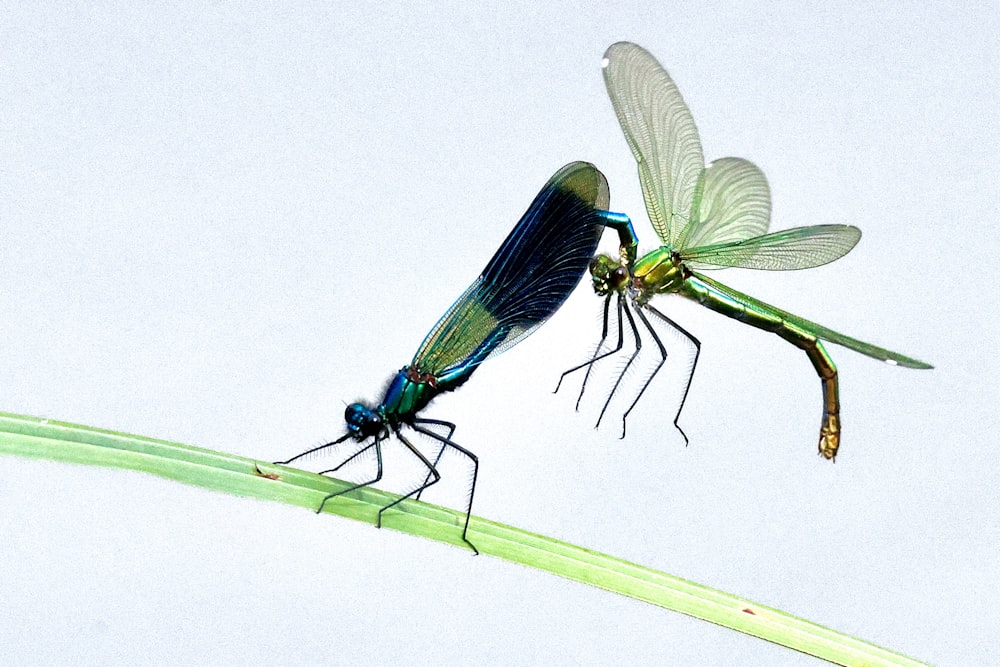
point(437, 458)
point(433, 473)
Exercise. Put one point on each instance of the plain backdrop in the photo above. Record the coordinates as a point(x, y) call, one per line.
point(221, 221)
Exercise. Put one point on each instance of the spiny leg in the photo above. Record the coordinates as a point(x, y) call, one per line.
point(315, 449)
point(416, 452)
point(348, 459)
point(659, 365)
point(378, 474)
point(621, 338)
point(638, 348)
point(475, 474)
point(437, 459)
point(597, 350)
point(434, 473)
point(450, 443)
point(690, 377)
point(589, 365)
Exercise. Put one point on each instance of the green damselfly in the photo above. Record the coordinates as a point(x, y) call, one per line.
point(708, 217)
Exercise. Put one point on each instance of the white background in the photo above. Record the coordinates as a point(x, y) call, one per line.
point(219, 224)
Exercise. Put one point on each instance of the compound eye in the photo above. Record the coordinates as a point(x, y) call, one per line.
point(619, 276)
point(357, 417)
point(362, 421)
point(354, 415)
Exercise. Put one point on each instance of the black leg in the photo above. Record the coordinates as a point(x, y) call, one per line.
point(378, 475)
point(315, 449)
point(618, 347)
point(597, 350)
point(431, 469)
point(437, 459)
point(638, 348)
point(589, 365)
point(348, 459)
point(437, 476)
point(475, 473)
point(690, 377)
point(659, 365)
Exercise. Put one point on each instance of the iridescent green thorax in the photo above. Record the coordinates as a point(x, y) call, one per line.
point(657, 272)
point(409, 392)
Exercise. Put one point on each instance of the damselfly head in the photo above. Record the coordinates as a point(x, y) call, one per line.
point(607, 274)
point(362, 421)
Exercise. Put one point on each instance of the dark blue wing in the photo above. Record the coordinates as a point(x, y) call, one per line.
point(529, 277)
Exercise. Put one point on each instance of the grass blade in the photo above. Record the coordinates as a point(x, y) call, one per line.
point(46, 439)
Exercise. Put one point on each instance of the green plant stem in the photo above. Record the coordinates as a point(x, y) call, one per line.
point(58, 441)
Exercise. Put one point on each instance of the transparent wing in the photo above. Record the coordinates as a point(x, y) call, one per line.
point(661, 133)
point(529, 277)
point(817, 330)
point(789, 249)
point(732, 202)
